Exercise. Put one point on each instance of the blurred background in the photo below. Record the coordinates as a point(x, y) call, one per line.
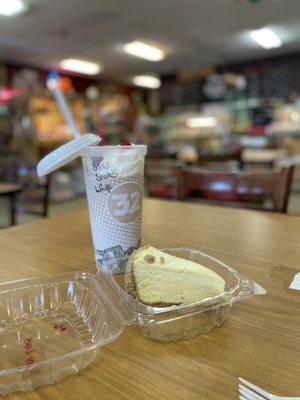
point(211, 86)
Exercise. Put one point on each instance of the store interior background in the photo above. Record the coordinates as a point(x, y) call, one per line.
point(216, 94)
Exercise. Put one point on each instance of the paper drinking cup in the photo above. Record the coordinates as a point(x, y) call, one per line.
point(114, 178)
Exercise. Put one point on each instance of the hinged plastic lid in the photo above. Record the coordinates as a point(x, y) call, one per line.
point(114, 297)
point(66, 153)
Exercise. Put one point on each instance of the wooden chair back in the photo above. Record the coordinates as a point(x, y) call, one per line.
point(236, 188)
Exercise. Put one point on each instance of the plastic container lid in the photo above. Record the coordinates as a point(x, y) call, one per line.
point(66, 153)
point(54, 326)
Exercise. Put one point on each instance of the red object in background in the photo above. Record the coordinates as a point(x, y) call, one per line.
point(166, 191)
point(8, 93)
point(125, 143)
point(258, 130)
point(65, 84)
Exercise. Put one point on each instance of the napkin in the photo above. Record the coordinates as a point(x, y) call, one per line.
point(296, 282)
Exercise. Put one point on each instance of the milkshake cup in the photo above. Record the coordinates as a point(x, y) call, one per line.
point(114, 179)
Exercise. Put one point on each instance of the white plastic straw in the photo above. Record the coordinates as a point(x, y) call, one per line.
point(63, 105)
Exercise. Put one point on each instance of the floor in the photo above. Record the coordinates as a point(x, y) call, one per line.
point(55, 209)
point(64, 207)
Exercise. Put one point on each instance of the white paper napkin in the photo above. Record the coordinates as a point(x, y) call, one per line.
point(296, 282)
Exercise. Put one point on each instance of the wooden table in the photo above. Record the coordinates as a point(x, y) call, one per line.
point(10, 190)
point(260, 341)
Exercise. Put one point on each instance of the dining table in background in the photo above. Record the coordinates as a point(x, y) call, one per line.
point(259, 341)
point(10, 190)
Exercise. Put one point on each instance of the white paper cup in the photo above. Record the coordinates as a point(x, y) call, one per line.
point(114, 179)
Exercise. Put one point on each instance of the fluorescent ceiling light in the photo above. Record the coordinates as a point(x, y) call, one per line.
point(147, 81)
point(265, 38)
point(201, 122)
point(144, 50)
point(81, 66)
point(10, 8)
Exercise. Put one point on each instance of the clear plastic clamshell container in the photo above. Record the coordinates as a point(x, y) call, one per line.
point(54, 326)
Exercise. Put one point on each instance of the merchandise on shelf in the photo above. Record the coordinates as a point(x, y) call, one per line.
point(48, 121)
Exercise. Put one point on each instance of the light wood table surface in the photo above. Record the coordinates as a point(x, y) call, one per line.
point(260, 340)
point(6, 188)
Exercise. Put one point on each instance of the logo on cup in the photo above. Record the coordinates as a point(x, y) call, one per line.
point(125, 202)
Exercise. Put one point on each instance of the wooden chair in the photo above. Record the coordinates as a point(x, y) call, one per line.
point(35, 195)
point(240, 189)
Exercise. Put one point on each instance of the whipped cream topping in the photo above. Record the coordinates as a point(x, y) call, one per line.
point(125, 164)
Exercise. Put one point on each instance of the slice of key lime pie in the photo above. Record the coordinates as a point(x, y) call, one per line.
point(159, 279)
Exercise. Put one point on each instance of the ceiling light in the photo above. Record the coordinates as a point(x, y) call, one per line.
point(201, 122)
point(80, 66)
point(147, 81)
point(265, 38)
point(10, 8)
point(144, 50)
point(295, 116)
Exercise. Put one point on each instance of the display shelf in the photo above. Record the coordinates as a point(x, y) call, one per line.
point(48, 122)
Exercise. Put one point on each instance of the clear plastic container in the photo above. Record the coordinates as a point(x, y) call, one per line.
point(174, 323)
point(54, 326)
